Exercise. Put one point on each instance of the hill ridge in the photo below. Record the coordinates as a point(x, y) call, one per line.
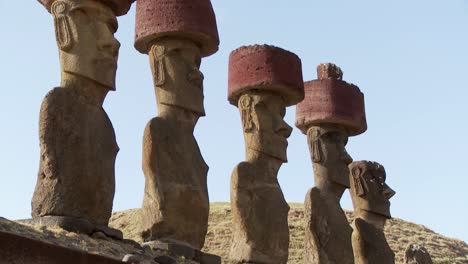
point(399, 233)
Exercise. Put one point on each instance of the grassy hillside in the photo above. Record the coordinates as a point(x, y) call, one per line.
point(399, 233)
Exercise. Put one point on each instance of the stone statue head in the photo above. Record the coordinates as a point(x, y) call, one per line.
point(175, 65)
point(85, 36)
point(369, 191)
point(265, 131)
point(327, 148)
point(417, 254)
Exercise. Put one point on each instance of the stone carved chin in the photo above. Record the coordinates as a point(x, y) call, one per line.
point(175, 66)
point(329, 156)
point(85, 37)
point(265, 131)
point(369, 191)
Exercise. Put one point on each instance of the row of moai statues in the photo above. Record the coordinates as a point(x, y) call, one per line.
point(332, 111)
point(263, 81)
point(76, 179)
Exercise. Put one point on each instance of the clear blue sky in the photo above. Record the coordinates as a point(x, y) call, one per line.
point(410, 59)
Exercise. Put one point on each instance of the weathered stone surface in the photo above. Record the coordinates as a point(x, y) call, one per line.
point(77, 225)
point(260, 212)
point(78, 150)
point(166, 260)
point(332, 110)
point(100, 235)
point(138, 259)
point(268, 68)
point(77, 140)
point(329, 100)
point(84, 50)
point(187, 19)
point(175, 66)
point(175, 204)
point(260, 226)
point(370, 245)
point(327, 146)
point(173, 251)
point(16, 249)
point(370, 195)
point(175, 248)
point(369, 192)
point(176, 201)
point(327, 232)
point(417, 254)
point(119, 7)
point(109, 232)
point(130, 258)
point(206, 258)
point(329, 71)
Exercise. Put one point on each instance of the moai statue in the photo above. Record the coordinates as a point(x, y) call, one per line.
point(370, 195)
point(176, 34)
point(76, 181)
point(332, 111)
point(263, 81)
point(417, 254)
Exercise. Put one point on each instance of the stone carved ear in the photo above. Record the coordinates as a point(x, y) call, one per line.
point(157, 64)
point(245, 104)
point(63, 32)
point(313, 136)
point(360, 185)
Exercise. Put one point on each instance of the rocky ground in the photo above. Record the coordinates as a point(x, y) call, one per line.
point(399, 234)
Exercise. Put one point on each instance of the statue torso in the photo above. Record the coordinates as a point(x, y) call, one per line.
point(370, 245)
point(78, 150)
point(327, 231)
point(176, 203)
point(260, 216)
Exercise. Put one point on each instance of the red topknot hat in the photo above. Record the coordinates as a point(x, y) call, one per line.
point(265, 67)
point(191, 19)
point(333, 101)
point(119, 7)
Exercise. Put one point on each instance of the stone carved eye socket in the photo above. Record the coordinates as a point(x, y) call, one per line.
point(175, 52)
point(335, 137)
point(260, 106)
point(81, 13)
point(378, 182)
point(329, 137)
point(381, 181)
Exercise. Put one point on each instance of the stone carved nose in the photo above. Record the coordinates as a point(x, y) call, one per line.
point(196, 77)
point(346, 157)
point(388, 192)
point(284, 129)
point(110, 46)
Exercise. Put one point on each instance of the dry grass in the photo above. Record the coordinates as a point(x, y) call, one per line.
point(399, 234)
